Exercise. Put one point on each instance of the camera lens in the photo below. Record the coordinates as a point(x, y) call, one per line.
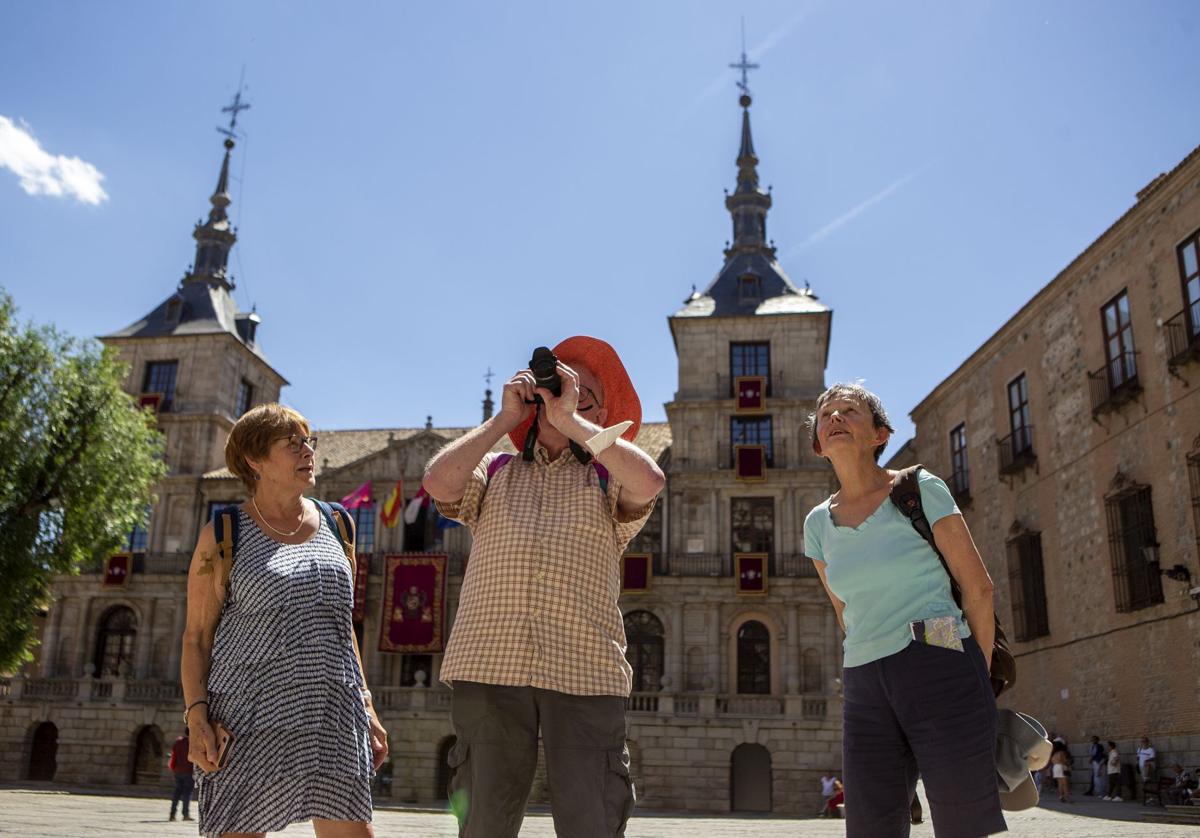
point(544, 366)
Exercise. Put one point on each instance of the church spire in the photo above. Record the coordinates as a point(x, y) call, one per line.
point(216, 237)
point(749, 203)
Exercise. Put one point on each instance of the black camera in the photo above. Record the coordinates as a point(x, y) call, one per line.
point(544, 366)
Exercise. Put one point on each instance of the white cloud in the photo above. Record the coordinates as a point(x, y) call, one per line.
point(42, 173)
point(846, 218)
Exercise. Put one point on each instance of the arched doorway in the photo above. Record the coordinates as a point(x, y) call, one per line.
point(148, 762)
point(750, 779)
point(114, 642)
point(444, 771)
point(753, 658)
point(43, 754)
point(644, 636)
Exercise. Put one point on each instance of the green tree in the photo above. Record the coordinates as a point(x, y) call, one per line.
point(78, 461)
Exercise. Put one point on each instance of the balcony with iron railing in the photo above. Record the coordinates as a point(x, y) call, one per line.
point(811, 707)
point(1183, 336)
point(1016, 451)
point(1115, 383)
point(785, 565)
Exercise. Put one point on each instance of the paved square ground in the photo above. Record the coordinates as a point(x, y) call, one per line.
point(53, 813)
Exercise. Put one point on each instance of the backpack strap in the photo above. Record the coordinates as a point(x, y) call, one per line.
point(501, 460)
point(339, 521)
point(225, 530)
point(906, 495)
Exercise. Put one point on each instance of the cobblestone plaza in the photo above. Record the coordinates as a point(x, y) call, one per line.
point(47, 813)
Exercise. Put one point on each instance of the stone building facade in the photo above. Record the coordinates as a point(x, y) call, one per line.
point(1072, 440)
point(736, 703)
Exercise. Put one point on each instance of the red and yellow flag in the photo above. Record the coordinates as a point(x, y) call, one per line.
point(390, 514)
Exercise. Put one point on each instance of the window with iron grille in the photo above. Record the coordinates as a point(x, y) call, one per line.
point(752, 525)
point(753, 658)
point(1027, 586)
point(1118, 341)
point(750, 359)
point(649, 539)
point(115, 642)
point(139, 536)
point(245, 397)
point(1137, 582)
point(1019, 416)
point(1189, 274)
point(364, 528)
point(160, 378)
point(960, 476)
point(644, 650)
point(755, 431)
point(1193, 464)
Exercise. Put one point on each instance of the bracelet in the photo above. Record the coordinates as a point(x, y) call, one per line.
point(203, 701)
point(366, 695)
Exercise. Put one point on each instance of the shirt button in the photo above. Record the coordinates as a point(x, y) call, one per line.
point(540, 575)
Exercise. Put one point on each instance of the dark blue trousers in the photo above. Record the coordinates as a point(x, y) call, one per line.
point(929, 711)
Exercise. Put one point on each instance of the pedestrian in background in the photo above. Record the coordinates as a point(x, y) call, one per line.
point(1096, 759)
point(1114, 772)
point(181, 768)
point(1146, 757)
point(828, 779)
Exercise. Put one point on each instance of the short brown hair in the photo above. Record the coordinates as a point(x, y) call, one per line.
point(858, 393)
point(253, 434)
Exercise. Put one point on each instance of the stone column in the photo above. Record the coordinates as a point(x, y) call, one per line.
point(84, 636)
point(178, 623)
point(717, 642)
point(141, 667)
point(676, 668)
point(791, 652)
point(49, 653)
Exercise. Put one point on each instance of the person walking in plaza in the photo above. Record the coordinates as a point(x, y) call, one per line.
point(917, 696)
point(1114, 772)
point(181, 770)
point(828, 782)
point(269, 653)
point(1060, 769)
point(1096, 760)
point(538, 640)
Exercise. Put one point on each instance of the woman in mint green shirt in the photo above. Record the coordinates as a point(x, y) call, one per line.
point(917, 698)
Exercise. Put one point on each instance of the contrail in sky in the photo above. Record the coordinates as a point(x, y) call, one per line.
point(843, 220)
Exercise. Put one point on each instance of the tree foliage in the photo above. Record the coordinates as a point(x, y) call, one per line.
point(78, 461)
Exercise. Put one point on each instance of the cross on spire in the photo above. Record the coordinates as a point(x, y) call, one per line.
point(744, 65)
point(488, 377)
point(234, 108)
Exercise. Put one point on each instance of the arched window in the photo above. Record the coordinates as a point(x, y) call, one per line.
point(114, 642)
point(811, 680)
point(753, 658)
point(43, 755)
point(750, 779)
point(644, 634)
point(148, 761)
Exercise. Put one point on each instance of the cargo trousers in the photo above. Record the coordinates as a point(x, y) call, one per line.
point(495, 755)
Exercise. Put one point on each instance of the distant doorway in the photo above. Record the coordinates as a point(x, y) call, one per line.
point(147, 758)
point(750, 779)
point(43, 755)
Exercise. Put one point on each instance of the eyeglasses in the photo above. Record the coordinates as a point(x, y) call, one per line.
point(296, 443)
point(591, 395)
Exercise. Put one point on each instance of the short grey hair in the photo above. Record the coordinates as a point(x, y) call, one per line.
point(856, 391)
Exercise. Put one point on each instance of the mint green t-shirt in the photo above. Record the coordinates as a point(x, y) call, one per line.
point(885, 572)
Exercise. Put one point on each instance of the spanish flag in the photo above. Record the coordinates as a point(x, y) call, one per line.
point(393, 505)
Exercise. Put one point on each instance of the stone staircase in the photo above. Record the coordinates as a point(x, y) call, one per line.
point(1174, 814)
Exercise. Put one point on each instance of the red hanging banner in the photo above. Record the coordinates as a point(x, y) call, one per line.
point(751, 393)
point(636, 572)
point(362, 571)
point(414, 603)
point(751, 573)
point(117, 570)
point(751, 462)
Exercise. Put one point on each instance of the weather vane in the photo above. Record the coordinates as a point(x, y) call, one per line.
point(744, 65)
point(234, 108)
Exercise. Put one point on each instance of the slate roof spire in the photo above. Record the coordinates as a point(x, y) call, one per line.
point(749, 203)
point(215, 237)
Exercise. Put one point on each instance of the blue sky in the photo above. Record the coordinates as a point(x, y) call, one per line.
point(429, 189)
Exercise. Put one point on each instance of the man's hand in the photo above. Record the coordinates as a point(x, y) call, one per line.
point(516, 401)
point(560, 410)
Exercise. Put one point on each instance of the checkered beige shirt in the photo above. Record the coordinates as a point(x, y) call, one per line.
point(539, 601)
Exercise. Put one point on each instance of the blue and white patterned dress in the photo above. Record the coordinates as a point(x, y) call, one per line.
point(285, 681)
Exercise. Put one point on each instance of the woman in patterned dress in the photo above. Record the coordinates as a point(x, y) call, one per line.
point(274, 659)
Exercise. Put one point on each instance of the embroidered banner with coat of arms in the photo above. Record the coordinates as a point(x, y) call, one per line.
point(414, 603)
